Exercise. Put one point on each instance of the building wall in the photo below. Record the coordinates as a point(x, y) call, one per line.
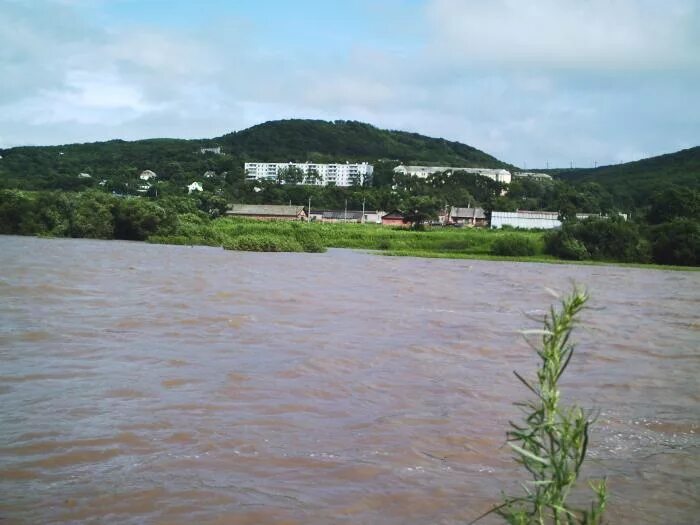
point(532, 175)
point(370, 217)
point(299, 217)
point(338, 174)
point(374, 217)
point(544, 220)
point(499, 175)
point(528, 220)
point(393, 222)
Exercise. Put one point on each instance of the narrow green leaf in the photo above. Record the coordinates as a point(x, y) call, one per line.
point(528, 454)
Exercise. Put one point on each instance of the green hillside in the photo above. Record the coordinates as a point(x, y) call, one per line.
point(46, 167)
point(319, 141)
point(633, 183)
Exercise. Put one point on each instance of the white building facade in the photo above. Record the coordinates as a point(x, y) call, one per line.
point(327, 174)
point(215, 150)
point(532, 220)
point(499, 175)
point(529, 220)
point(532, 175)
point(195, 186)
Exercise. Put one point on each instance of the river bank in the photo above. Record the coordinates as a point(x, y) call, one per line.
point(438, 242)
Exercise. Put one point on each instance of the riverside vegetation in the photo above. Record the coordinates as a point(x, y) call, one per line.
point(552, 440)
point(183, 220)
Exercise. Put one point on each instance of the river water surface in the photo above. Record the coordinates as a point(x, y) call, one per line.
point(164, 384)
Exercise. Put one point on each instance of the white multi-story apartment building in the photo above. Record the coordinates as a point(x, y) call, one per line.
point(327, 174)
point(532, 175)
point(499, 175)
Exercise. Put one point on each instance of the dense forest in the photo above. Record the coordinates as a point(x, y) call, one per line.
point(633, 183)
point(94, 190)
point(114, 165)
point(117, 161)
point(320, 141)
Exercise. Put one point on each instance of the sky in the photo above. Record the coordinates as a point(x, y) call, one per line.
point(536, 83)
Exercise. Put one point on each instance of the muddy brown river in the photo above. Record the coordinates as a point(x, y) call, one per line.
point(181, 385)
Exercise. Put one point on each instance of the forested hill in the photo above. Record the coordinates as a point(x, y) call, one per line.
point(634, 182)
point(322, 141)
point(45, 167)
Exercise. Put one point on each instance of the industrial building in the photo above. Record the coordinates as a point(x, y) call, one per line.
point(531, 220)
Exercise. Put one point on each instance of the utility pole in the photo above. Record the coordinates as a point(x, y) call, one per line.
point(308, 217)
point(363, 210)
point(345, 217)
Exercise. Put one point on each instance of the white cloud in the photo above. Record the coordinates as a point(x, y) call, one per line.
point(83, 98)
point(555, 80)
point(571, 34)
point(166, 55)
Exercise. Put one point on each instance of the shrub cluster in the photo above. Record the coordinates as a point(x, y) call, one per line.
point(309, 240)
point(91, 214)
point(263, 243)
point(268, 237)
point(676, 242)
point(600, 239)
point(514, 245)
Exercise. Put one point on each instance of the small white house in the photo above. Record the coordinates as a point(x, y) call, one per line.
point(195, 186)
point(84, 176)
point(147, 175)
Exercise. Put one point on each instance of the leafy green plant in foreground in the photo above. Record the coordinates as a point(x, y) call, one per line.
point(551, 442)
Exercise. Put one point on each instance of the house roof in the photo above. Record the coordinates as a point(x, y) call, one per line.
point(525, 214)
point(396, 214)
point(467, 213)
point(342, 214)
point(265, 209)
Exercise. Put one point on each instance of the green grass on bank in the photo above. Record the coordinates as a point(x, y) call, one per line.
point(454, 243)
point(547, 259)
point(313, 237)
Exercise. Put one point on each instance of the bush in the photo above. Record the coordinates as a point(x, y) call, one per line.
point(676, 242)
point(309, 240)
point(18, 213)
point(135, 219)
point(611, 239)
point(455, 245)
point(384, 244)
point(263, 243)
point(92, 216)
point(565, 246)
point(514, 245)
